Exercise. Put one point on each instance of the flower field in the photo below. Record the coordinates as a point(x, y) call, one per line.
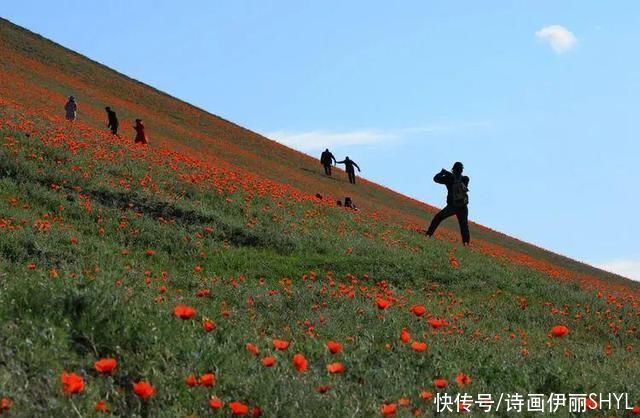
point(211, 274)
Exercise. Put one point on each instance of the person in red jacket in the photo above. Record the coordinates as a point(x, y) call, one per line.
point(141, 136)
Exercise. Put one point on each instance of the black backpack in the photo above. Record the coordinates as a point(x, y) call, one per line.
point(459, 193)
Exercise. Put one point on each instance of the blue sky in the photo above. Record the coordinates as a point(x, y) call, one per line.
point(539, 99)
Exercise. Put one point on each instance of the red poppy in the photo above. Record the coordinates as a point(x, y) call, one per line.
point(418, 310)
point(334, 347)
point(269, 361)
point(5, 404)
point(71, 383)
point(208, 325)
point(252, 349)
point(404, 401)
point(280, 344)
point(463, 380)
point(559, 331)
point(149, 253)
point(418, 346)
point(323, 388)
point(256, 412)
point(102, 406)
point(300, 362)
point(207, 379)
point(382, 303)
point(440, 383)
point(144, 390)
point(335, 368)
point(635, 410)
point(184, 312)
point(426, 395)
point(105, 365)
point(436, 323)
point(405, 337)
point(388, 409)
point(191, 381)
point(215, 403)
point(238, 408)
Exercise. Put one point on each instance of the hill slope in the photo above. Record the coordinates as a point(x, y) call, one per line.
point(102, 240)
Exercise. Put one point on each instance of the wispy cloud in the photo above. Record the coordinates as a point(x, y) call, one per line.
point(558, 37)
point(626, 268)
point(320, 139)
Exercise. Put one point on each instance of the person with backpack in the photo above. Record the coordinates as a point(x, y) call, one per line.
point(112, 120)
point(141, 136)
point(349, 165)
point(457, 200)
point(71, 109)
point(325, 159)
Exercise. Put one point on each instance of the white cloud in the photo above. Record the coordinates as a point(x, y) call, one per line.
point(316, 140)
point(560, 38)
point(626, 268)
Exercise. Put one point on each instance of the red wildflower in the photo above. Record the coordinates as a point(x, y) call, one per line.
point(144, 390)
point(184, 312)
point(215, 403)
point(71, 383)
point(559, 331)
point(207, 379)
point(436, 323)
point(280, 344)
point(238, 408)
point(269, 361)
point(382, 303)
point(388, 409)
point(335, 368)
point(426, 395)
point(105, 365)
point(440, 383)
point(252, 349)
point(256, 412)
point(463, 380)
point(405, 337)
point(191, 381)
point(208, 325)
point(334, 347)
point(149, 253)
point(418, 346)
point(102, 406)
point(635, 410)
point(300, 362)
point(323, 388)
point(5, 404)
point(418, 310)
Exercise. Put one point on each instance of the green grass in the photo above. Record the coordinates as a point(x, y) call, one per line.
point(256, 255)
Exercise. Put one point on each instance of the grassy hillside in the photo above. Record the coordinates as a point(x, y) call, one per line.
point(198, 254)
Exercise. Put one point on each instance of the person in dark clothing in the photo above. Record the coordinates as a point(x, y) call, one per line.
point(112, 120)
point(141, 136)
point(349, 164)
point(325, 159)
point(457, 200)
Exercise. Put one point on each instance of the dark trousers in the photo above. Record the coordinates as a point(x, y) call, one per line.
point(114, 129)
point(461, 212)
point(327, 169)
point(352, 177)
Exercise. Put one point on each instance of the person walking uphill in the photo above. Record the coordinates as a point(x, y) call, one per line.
point(325, 159)
point(112, 120)
point(141, 136)
point(457, 200)
point(71, 109)
point(349, 164)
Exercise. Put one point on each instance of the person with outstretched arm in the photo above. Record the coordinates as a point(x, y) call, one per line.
point(457, 200)
point(349, 165)
point(112, 120)
point(326, 159)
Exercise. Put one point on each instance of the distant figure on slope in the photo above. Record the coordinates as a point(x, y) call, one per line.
point(112, 120)
point(71, 109)
point(325, 159)
point(141, 136)
point(349, 164)
point(457, 200)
